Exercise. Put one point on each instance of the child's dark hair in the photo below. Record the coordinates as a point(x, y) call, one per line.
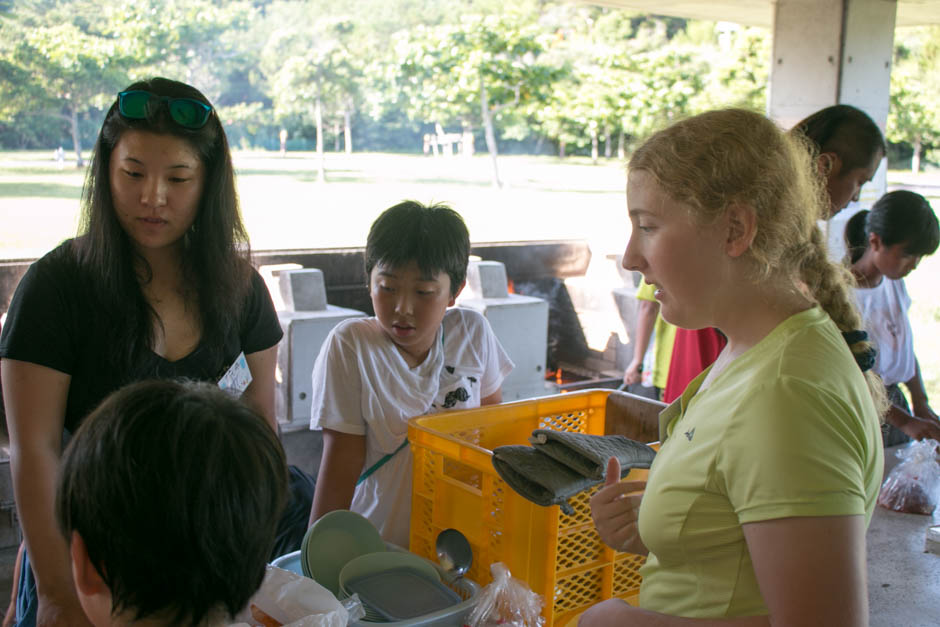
point(176, 490)
point(899, 217)
point(845, 131)
point(435, 237)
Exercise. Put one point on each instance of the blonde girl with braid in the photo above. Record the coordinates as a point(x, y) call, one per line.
point(757, 504)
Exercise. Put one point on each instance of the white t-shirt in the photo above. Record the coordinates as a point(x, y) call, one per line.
point(884, 312)
point(362, 385)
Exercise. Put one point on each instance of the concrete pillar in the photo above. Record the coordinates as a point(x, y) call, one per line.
point(829, 52)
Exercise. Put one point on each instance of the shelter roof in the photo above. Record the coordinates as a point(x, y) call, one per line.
point(759, 12)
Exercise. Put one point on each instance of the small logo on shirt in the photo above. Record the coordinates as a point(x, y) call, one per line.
point(455, 396)
point(690, 434)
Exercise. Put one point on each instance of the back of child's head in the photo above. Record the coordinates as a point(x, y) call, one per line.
point(176, 490)
point(899, 217)
point(733, 157)
point(846, 131)
point(435, 237)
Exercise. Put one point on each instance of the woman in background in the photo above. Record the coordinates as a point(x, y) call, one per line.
point(157, 285)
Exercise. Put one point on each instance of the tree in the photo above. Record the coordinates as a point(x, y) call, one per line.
point(312, 64)
point(72, 57)
point(629, 75)
point(199, 42)
point(62, 62)
point(914, 116)
point(473, 71)
point(738, 70)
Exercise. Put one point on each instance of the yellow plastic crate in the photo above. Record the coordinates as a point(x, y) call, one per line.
point(455, 485)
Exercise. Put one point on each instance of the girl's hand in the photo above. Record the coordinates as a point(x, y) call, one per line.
point(632, 374)
point(615, 509)
point(920, 428)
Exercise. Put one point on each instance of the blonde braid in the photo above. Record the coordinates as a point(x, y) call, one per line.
point(831, 284)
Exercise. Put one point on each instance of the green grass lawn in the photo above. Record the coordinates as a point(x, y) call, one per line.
point(284, 206)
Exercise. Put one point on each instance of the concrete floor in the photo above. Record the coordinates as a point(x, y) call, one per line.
point(903, 579)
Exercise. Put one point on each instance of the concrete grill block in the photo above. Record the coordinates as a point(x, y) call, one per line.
point(303, 290)
point(487, 279)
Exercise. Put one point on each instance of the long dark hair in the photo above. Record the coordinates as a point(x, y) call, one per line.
point(215, 251)
point(899, 217)
point(846, 131)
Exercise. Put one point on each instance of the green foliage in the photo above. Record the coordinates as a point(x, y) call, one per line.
point(914, 117)
point(442, 69)
point(571, 73)
point(311, 59)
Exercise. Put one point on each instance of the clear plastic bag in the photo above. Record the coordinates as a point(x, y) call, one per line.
point(291, 600)
point(913, 486)
point(507, 602)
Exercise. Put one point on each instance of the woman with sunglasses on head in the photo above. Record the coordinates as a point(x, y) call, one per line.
point(157, 285)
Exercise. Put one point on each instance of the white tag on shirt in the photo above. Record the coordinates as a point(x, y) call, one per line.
point(237, 378)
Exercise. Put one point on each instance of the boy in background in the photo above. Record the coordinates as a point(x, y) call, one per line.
point(415, 356)
point(170, 494)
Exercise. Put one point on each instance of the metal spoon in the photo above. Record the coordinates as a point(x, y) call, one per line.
point(454, 553)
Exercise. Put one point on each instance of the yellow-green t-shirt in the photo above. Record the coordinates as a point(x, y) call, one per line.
point(662, 344)
point(788, 429)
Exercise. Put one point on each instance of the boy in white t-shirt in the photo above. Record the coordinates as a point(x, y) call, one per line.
point(415, 356)
point(885, 245)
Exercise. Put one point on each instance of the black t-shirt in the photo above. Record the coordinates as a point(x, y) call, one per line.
point(54, 321)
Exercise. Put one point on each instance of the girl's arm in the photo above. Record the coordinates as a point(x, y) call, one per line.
point(35, 400)
point(923, 423)
point(919, 395)
point(260, 392)
point(811, 570)
point(617, 613)
point(811, 573)
point(913, 426)
point(344, 455)
point(646, 313)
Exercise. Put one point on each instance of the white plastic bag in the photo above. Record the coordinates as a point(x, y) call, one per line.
point(292, 600)
point(506, 602)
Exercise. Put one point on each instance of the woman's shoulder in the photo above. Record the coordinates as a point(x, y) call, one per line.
point(64, 256)
point(58, 268)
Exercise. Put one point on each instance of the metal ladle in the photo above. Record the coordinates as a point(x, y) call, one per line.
point(453, 553)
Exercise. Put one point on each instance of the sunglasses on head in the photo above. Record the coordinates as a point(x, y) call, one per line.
point(188, 113)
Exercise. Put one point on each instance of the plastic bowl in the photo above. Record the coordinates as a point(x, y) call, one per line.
point(381, 561)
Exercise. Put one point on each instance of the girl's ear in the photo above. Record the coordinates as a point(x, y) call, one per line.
point(742, 228)
point(874, 242)
point(828, 164)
